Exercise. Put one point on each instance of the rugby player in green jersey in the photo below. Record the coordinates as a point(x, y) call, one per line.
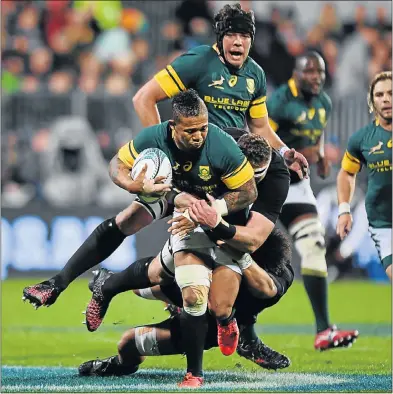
point(371, 146)
point(205, 160)
point(298, 112)
point(232, 84)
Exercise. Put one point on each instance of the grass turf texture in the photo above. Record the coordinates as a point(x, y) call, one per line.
point(55, 337)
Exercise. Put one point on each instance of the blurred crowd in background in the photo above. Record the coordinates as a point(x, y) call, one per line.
point(82, 60)
point(70, 69)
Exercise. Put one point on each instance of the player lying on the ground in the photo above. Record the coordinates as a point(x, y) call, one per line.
point(371, 146)
point(165, 338)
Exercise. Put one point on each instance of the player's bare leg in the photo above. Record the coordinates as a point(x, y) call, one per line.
point(223, 292)
point(101, 243)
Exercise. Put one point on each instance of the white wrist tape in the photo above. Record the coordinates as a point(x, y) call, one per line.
point(282, 150)
point(245, 261)
point(221, 207)
point(344, 207)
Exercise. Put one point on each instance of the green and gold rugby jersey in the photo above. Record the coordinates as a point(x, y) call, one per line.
point(228, 97)
point(298, 123)
point(371, 146)
point(216, 168)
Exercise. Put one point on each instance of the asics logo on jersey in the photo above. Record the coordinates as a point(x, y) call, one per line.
point(217, 83)
point(376, 148)
point(302, 118)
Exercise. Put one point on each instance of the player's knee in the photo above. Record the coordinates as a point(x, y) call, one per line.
point(133, 218)
point(194, 281)
point(126, 341)
point(221, 310)
point(136, 292)
point(309, 240)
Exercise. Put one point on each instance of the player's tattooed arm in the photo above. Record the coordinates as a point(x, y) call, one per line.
point(241, 197)
point(120, 175)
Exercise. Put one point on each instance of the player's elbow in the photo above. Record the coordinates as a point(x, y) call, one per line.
point(263, 287)
point(142, 97)
point(253, 194)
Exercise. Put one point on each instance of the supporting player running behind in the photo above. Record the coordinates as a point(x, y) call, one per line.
point(371, 146)
point(299, 111)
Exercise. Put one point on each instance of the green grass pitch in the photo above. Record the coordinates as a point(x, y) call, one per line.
point(42, 348)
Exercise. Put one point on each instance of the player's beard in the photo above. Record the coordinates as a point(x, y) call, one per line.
point(386, 118)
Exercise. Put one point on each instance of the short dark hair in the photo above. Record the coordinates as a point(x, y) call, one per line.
point(187, 104)
point(382, 76)
point(308, 55)
point(255, 148)
point(276, 251)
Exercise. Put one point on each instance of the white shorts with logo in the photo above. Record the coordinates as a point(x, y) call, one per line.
point(382, 238)
point(301, 193)
point(201, 244)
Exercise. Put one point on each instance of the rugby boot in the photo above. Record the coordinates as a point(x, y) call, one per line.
point(107, 367)
point(262, 355)
point(332, 338)
point(172, 309)
point(228, 337)
point(191, 382)
point(42, 294)
point(99, 303)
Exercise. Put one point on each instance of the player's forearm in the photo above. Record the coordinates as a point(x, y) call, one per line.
point(260, 284)
point(120, 175)
point(346, 183)
point(241, 197)
point(248, 239)
point(268, 133)
point(146, 109)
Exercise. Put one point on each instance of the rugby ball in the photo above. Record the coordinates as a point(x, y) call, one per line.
point(158, 164)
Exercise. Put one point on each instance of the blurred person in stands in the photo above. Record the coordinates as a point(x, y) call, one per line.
point(63, 51)
point(55, 18)
point(40, 63)
point(371, 146)
point(330, 22)
point(352, 71)
point(30, 84)
point(330, 49)
point(13, 68)
point(270, 50)
point(116, 84)
point(195, 18)
point(381, 57)
point(61, 82)
point(28, 27)
point(357, 22)
point(88, 83)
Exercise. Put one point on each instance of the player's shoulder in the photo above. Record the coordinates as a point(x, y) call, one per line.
point(157, 132)
point(281, 95)
point(219, 136)
point(325, 100)
point(254, 67)
point(359, 134)
point(200, 51)
point(365, 129)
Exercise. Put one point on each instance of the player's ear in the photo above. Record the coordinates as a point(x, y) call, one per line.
point(171, 123)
